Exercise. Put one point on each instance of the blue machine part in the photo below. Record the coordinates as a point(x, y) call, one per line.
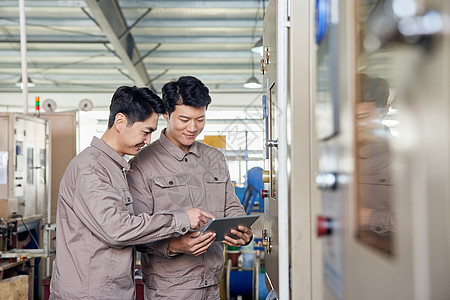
point(262, 288)
point(251, 196)
point(241, 283)
point(254, 178)
point(321, 19)
point(239, 191)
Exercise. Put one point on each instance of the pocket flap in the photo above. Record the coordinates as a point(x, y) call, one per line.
point(215, 177)
point(170, 181)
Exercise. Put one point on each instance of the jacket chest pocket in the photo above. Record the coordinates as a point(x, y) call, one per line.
point(170, 192)
point(215, 183)
point(127, 200)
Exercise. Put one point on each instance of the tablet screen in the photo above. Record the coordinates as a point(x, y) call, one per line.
point(223, 226)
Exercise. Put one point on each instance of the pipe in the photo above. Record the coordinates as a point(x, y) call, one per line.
point(283, 200)
point(48, 168)
point(23, 52)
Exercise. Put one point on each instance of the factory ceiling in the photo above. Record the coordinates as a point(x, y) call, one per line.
point(96, 46)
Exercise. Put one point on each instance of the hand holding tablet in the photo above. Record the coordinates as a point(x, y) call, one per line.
point(223, 226)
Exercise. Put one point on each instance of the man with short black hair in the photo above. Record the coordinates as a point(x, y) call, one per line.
point(176, 172)
point(96, 227)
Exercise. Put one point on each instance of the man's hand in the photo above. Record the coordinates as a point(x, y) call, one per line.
point(198, 217)
point(243, 237)
point(191, 243)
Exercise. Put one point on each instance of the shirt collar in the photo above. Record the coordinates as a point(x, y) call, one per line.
point(105, 148)
point(173, 149)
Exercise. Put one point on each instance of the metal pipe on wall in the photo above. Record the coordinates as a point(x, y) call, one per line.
point(23, 52)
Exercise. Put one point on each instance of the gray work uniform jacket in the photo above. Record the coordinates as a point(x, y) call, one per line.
point(96, 228)
point(164, 177)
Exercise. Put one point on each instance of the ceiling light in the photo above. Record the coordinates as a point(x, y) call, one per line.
point(252, 83)
point(258, 47)
point(19, 83)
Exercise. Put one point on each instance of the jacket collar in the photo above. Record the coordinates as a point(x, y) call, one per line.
point(173, 149)
point(105, 148)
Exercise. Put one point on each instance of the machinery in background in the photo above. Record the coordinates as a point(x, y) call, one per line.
point(24, 165)
point(250, 194)
point(8, 235)
point(244, 272)
point(24, 181)
point(24, 190)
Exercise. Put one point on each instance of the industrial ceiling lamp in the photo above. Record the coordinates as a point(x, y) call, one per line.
point(252, 82)
point(258, 47)
point(19, 83)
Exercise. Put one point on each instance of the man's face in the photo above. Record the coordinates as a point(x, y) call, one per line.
point(184, 125)
point(136, 136)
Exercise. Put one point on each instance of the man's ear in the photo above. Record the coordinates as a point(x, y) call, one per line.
point(120, 121)
point(166, 116)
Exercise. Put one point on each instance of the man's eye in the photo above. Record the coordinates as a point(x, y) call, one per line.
point(146, 132)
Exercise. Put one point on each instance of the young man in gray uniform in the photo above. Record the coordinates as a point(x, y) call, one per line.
point(176, 172)
point(95, 223)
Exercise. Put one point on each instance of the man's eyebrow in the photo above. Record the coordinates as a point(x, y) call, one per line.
point(186, 117)
point(150, 128)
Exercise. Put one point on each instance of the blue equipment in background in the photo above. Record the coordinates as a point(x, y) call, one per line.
point(250, 195)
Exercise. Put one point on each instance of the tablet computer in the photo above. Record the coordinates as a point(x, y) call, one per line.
point(223, 226)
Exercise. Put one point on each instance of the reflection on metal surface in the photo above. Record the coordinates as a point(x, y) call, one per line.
point(396, 21)
point(374, 181)
point(376, 218)
point(326, 181)
point(430, 23)
point(395, 40)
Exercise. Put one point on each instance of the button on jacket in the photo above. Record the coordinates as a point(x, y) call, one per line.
point(96, 228)
point(164, 177)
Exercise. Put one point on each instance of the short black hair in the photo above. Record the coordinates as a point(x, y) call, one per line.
point(137, 104)
point(186, 90)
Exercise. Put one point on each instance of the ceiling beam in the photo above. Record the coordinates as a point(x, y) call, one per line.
point(110, 19)
point(145, 3)
point(175, 67)
point(62, 39)
point(166, 23)
point(214, 54)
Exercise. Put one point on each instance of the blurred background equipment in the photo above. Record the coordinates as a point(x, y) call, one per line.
point(250, 194)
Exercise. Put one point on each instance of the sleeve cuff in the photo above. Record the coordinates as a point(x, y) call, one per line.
point(182, 224)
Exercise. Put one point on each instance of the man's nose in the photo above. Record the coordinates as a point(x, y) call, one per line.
point(192, 127)
point(148, 139)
